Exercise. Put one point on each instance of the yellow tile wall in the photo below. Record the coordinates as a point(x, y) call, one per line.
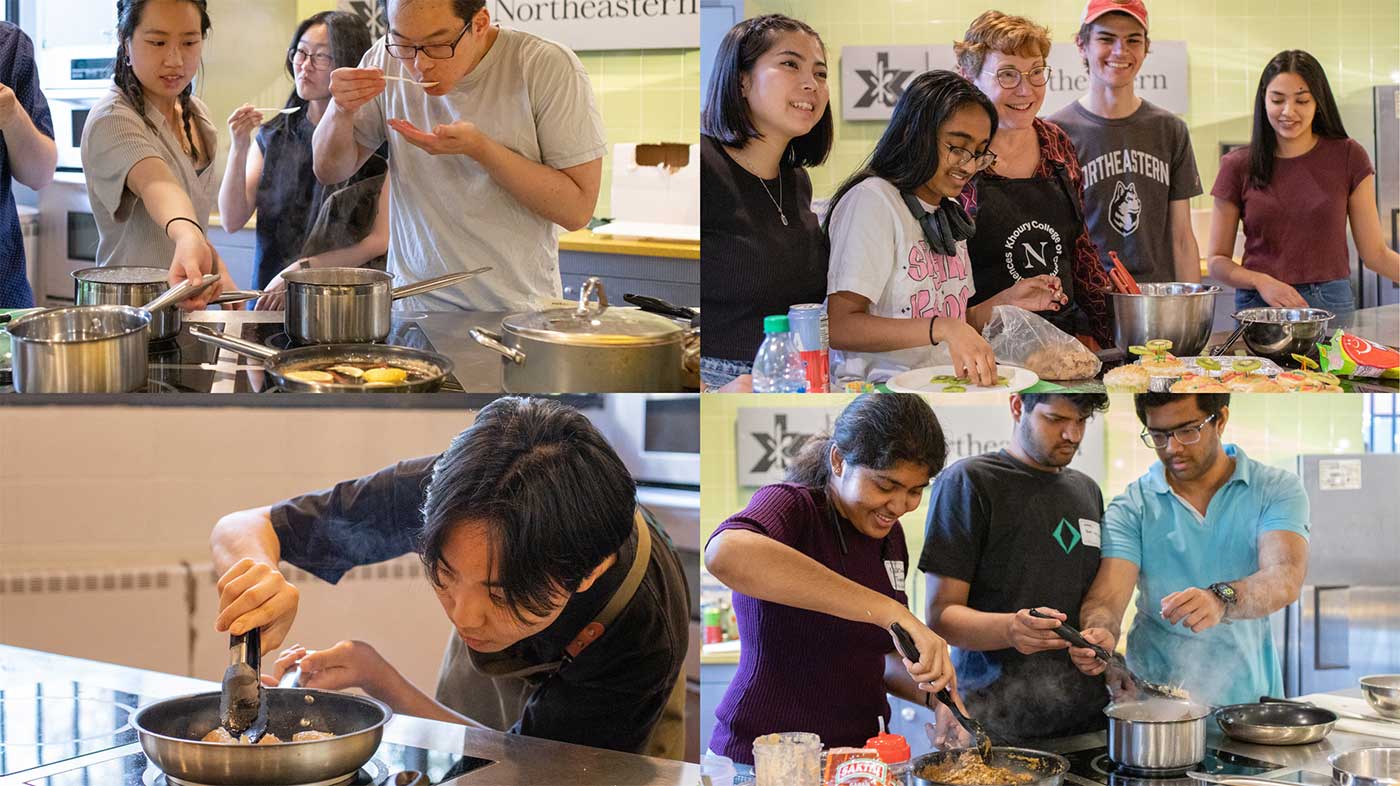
point(1271, 429)
point(645, 95)
point(1228, 44)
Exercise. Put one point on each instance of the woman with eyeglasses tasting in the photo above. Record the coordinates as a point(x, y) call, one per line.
point(274, 179)
point(900, 281)
point(496, 142)
point(1029, 204)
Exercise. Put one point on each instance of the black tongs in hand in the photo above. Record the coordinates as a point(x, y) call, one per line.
point(241, 706)
point(909, 650)
point(1114, 660)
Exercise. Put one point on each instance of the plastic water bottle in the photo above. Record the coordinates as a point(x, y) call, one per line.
point(778, 366)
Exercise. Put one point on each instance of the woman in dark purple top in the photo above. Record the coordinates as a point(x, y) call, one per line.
point(1296, 187)
point(818, 565)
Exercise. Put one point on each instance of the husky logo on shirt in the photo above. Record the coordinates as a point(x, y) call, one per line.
point(1033, 249)
point(1125, 209)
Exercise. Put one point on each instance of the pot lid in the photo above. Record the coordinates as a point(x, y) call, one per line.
point(594, 323)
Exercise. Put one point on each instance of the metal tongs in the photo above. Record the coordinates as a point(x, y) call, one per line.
point(241, 707)
point(909, 650)
point(1114, 660)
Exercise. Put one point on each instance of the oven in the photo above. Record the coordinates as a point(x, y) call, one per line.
point(656, 435)
point(75, 79)
point(69, 231)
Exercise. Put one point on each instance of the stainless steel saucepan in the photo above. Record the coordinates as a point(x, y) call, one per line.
point(1157, 735)
point(350, 305)
point(171, 731)
point(132, 285)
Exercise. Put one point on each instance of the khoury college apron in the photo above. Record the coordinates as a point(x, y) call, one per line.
point(492, 688)
point(1027, 227)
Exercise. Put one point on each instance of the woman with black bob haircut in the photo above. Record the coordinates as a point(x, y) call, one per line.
point(767, 115)
point(569, 607)
point(818, 566)
point(148, 146)
point(1296, 187)
point(900, 276)
point(275, 179)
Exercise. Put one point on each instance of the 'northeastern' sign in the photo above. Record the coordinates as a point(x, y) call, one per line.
point(585, 25)
point(874, 77)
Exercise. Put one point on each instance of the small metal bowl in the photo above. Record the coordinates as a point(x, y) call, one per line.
point(1379, 766)
point(1280, 333)
point(1383, 693)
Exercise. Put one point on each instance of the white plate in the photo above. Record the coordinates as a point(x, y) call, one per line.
point(917, 380)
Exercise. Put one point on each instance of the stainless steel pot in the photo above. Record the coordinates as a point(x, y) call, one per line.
point(171, 730)
point(590, 348)
point(1280, 333)
point(128, 286)
point(1048, 769)
point(1379, 766)
point(80, 349)
point(1158, 735)
point(349, 305)
point(1182, 313)
point(1382, 692)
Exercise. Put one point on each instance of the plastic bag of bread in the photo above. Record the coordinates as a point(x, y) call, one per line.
point(1021, 338)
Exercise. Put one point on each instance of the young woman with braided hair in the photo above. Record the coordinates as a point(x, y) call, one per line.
point(148, 147)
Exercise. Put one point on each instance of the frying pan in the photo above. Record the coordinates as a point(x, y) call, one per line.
point(435, 368)
point(170, 733)
point(1048, 769)
point(1276, 722)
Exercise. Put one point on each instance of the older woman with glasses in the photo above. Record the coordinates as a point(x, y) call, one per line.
point(274, 178)
point(1029, 204)
point(900, 281)
point(496, 142)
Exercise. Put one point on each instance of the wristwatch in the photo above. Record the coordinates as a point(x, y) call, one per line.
point(1226, 593)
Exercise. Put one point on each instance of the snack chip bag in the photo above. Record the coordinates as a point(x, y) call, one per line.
point(1352, 356)
point(856, 767)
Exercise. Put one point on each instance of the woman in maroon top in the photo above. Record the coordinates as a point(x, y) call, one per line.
point(1296, 186)
point(818, 566)
point(1029, 205)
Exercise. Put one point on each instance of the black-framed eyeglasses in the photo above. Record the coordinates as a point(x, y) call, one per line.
point(960, 156)
point(1186, 435)
point(1010, 78)
point(435, 51)
point(321, 60)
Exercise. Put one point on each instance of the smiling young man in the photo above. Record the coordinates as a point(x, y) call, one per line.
point(1214, 542)
point(570, 607)
point(1139, 169)
point(504, 146)
point(1008, 532)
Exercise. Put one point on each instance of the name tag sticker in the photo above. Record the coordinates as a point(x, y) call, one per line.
point(895, 570)
point(1089, 531)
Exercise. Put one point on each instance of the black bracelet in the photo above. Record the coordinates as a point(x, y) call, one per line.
point(931, 342)
point(182, 218)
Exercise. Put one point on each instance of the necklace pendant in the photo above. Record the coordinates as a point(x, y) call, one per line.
point(783, 216)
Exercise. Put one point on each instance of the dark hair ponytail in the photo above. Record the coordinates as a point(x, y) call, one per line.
point(128, 17)
point(875, 431)
point(1327, 121)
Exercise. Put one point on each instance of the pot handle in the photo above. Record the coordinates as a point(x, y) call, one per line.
point(246, 348)
point(409, 290)
point(238, 296)
point(181, 291)
point(592, 285)
point(492, 341)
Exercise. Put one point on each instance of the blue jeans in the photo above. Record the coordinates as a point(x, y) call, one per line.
point(715, 373)
point(1335, 296)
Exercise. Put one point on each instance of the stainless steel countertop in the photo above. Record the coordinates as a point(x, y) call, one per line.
point(520, 761)
point(477, 368)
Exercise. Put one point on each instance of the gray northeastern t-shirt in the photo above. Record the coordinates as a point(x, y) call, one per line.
point(115, 139)
point(1133, 167)
point(446, 214)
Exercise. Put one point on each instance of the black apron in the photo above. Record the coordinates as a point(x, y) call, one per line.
point(1028, 227)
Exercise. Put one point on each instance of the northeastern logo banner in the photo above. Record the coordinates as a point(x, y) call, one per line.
point(586, 25)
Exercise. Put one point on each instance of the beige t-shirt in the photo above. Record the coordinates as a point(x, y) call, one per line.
point(446, 213)
point(115, 139)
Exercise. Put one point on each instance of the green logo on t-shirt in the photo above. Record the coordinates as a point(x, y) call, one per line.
point(1065, 530)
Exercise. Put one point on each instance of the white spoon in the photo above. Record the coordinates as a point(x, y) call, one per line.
point(286, 111)
point(410, 81)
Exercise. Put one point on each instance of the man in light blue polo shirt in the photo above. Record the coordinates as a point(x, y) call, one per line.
point(1215, 542)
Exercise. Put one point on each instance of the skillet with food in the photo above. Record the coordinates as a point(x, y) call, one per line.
point(341, 368)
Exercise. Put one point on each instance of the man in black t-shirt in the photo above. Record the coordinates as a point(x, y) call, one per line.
point(570, 607)
point(1008, 532)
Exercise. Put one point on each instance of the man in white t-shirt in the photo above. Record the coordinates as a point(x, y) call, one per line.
point(504, 146)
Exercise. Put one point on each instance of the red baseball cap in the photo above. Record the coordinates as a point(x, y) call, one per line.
point(1134, 8)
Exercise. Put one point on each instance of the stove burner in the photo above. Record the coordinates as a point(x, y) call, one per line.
point(374, 773)
point(104, 719)
point(1108, 767)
